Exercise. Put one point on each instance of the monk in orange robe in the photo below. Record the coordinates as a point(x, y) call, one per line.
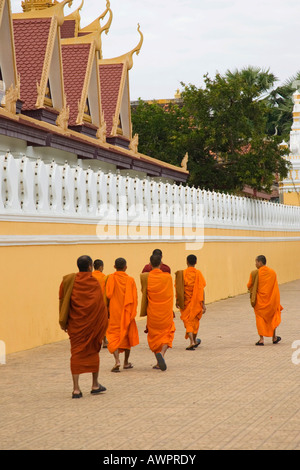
point(83, 315)
point(265, 298)
point(101, 278)
point(99, 274)
point(190, 299)
point(122, 333)
point(157, 288)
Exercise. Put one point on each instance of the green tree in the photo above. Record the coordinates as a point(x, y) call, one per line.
point(225, 128)
point(162, 130)
point(230, 147)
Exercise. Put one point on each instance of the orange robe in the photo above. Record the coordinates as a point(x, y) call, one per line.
point(87, 322)
point(267, 306)
point(100, 278)
point(191, 314)
point(122, 332)
point(160, 323)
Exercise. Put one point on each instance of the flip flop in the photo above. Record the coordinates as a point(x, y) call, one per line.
point(98, 390)
point(190, 348)
point(161, 362)
point(259, 344)
point(198, 342)
point(116, 369)
point(76, 395)
point(277, 340)
point(129, 366)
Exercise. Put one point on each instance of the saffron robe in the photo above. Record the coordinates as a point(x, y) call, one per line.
point(101, 278)
point(193, 289)
point(122, 332)
point(86, 322)
point(160, 323)
point(267, 306)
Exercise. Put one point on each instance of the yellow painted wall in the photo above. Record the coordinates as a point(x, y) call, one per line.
point(291, 199)
point(30, 275)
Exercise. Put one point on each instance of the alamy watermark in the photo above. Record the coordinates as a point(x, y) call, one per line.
point(2, 352)
point(296, 354)
point(156, 222)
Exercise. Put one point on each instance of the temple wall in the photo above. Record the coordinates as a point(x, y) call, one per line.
point(51, 214)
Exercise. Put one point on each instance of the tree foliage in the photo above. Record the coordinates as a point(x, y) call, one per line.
point(225, 128)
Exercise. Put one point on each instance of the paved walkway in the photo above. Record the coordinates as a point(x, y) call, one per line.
point(227, 394)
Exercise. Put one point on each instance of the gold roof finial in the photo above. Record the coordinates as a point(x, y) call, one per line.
point(95, 25)
point(96, 29)
point(136, 49)
point(28, 5)
point(128, 57)
point(75, 14)
point(43, 9)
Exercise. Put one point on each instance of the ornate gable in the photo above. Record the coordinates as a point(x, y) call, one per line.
point(9, 82)
point(115, 96)
point(42, 50)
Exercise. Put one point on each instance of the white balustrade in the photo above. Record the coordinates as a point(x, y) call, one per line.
point(35, 188)
point(68, 190)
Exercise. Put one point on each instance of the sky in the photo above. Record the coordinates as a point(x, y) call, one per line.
point(186, 39)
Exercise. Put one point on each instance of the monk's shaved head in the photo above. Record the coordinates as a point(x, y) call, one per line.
point(120, 264)
point(155, 261)
point(98, 263)
point(191, 260)
point(84, 263)
point(157, 252)
point(262, 259)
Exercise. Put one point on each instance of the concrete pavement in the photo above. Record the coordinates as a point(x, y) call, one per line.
point(227, 394)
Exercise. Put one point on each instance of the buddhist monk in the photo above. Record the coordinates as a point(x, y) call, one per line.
point(99, 274)
point(265, 298)
point(190, 299)
point(122, 333)
point(163, 267)
point(83, 315)
point(101, 278)
point(157, 304)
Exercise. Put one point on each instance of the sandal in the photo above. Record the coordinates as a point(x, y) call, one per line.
point(277, 340)
point(160, 361)
point(128, 366)
point(98, 390)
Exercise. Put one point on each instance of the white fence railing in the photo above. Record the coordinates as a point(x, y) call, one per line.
point(33, 188)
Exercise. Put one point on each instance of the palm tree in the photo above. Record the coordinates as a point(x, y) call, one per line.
point(280, 103)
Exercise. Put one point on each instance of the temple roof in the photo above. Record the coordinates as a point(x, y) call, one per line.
point(72, 98)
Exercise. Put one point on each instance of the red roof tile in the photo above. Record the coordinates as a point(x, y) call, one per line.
point(110, 81)
point(67, 30)
point(31, 37)
point(75, 60)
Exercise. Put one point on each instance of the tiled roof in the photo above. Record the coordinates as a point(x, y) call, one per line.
point(67, 30)
point(75, 60)
point(110, 81)
point(31, 37)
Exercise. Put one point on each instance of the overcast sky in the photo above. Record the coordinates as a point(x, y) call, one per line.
point(185, 39)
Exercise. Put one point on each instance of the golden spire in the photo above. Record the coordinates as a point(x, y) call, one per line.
point(29, 5)
point(43, 9)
